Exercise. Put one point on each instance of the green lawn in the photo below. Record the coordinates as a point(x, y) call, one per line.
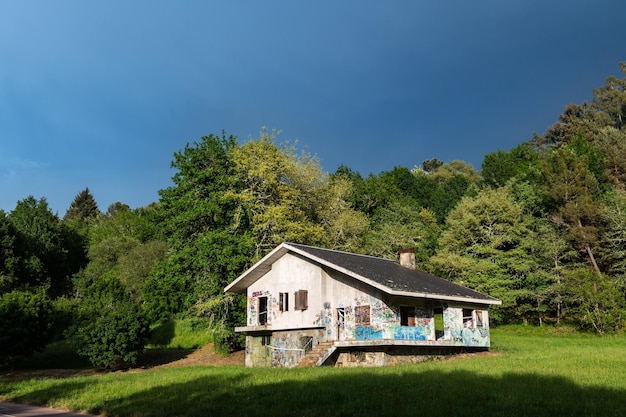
point(531, 373)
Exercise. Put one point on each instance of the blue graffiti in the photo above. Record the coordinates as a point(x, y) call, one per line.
point(409, 333)
point(367, 333)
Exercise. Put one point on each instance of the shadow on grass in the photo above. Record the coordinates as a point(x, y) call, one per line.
point(155, 357)
point(403, 392)
point(163, 333)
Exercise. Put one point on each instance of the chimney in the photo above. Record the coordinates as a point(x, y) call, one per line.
point(407, 258)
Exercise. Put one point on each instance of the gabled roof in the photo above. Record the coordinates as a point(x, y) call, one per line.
point(383, 274)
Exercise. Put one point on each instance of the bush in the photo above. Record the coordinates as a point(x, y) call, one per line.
point(598, 303)
point(112, 337)
point(25, 324)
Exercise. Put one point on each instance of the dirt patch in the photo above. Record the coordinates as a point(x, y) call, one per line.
point(204, 356)
point(152, 359)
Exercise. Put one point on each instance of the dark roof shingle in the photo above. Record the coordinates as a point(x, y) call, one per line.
point(392, 275)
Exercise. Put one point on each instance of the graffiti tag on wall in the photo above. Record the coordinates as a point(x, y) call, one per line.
point(367, 333)
point(409, 332)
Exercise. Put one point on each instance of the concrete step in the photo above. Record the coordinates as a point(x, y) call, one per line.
point(314, 355)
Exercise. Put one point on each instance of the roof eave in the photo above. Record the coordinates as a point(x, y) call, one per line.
point(256, 271)
point(264, 265)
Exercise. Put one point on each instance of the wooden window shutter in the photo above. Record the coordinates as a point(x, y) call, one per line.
point(283, 301)
point(302, 302)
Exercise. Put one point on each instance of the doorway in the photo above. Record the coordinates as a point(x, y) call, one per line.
point(341, 323)
point(262, 310)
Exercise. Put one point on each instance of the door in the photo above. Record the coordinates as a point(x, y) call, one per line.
point(262, 311)
point(341, 324)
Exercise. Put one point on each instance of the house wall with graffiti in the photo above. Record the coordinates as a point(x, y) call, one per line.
point(274, 295)
point(281, 349)
point(340, 308)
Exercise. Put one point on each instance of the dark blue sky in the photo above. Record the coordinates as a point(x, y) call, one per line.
point(101, 94)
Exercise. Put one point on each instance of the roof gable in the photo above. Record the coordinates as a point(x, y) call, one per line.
point(384, 274)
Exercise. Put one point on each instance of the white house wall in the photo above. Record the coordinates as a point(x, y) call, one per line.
point(288, 275)
point(331, 290)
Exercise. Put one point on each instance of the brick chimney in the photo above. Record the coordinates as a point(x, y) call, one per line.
point(407, 258)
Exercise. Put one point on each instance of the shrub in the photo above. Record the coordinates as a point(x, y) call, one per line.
point(112, 337)
point(25, 324)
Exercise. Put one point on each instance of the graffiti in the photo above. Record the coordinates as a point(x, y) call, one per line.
point(381, 313)
point(410, 332)
point(367, 333)
point(452, 321)
point(258, 293)
point(475, 337)
point(464, 334)
point(324, 317)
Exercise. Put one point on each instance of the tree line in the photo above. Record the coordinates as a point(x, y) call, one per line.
point(541, 226)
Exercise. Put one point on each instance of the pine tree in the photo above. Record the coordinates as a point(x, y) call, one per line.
point(83, 207)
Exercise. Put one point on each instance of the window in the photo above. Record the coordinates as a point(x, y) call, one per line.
point(262, 310)
point(302, 301)
point(266, 340)
point(439, 323)
point(362, 315)
point(283, 301)
point(407, 316)
point(468, 318)
point(479, 319)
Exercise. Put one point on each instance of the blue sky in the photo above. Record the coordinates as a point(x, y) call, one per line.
point(101, 94)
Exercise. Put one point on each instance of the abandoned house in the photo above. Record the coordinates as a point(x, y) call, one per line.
point(309, 306)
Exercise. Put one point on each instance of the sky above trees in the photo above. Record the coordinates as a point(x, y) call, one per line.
point(101, 95)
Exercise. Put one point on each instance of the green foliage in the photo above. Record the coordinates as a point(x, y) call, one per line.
point(610, 99)
point(521, 162)
point(9, 260)
point(574, 189)
point(402, 225)
point(110, 329)
point(26, 320)
point(205, 226)
point(189, 333)
point(112, 337)
point(42, 246)
point(224, 312)
point(599, 303)
point(613, 233)
point(485, 246)
point(612, 144)
point(83, 207)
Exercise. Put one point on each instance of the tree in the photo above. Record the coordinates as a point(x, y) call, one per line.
point(612, 143)
point(610, 99)
point(110, 328)
point(207, 230)
point(124, 245)
point(431, 165)
point(521, 162)
point(598, 302)
point(485, 246)
point(344, 226)
point(83, 207)
point(577, 120)
point(9, 260)
point(574, 189)
point(26, 320)
point(49, 251)
point(281, 192)
point(613, 234)
point(402, 225)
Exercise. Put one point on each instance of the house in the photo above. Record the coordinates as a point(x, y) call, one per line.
point(310, 306)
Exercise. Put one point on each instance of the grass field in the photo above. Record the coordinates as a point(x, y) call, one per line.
point(532, 372)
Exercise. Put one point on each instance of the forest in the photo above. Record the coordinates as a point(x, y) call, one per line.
point(541, 226)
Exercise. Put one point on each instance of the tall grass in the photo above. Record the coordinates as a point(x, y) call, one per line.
point(180, 334)
point(528, 373)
